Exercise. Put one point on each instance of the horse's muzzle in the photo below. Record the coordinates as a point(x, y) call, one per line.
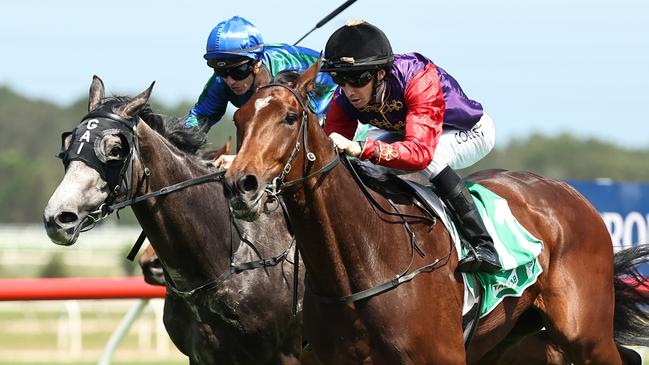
point(153, 272)
point(244, 196)
point(61, 227)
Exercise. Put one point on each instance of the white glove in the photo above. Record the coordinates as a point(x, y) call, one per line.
point(351, 148)
point(224, 161)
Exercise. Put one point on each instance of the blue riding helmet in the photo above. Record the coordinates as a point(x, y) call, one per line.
point(235, 37)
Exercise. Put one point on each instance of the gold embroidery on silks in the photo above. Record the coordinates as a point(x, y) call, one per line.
point(385, 124)
point(387, 152)
point(383, 107)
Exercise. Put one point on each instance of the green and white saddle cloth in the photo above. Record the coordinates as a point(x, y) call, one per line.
point(517, 248)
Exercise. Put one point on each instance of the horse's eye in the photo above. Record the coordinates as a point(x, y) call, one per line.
point(291, 117)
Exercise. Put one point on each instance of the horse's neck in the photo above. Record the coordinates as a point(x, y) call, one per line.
point(345, 243)
point(190, 228)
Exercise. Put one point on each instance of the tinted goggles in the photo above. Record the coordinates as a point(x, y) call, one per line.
point(237, 72)
point(354, 79)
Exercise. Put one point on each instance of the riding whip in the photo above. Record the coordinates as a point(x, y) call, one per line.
point(326, 19)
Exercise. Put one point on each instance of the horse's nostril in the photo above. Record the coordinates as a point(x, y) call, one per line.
point(248, 183)
point(67, 217)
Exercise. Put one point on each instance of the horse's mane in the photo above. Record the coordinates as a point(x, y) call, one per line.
point(189, 140)
point(289, 78)
point(171, 128)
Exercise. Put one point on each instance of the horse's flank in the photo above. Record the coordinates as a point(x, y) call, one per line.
point(348, 246)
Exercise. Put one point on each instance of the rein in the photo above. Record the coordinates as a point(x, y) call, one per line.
point(278, 184)
point(124, 182)
point(405, 275)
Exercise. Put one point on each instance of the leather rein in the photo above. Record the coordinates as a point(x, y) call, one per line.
point(124, 186)
point(278, 184)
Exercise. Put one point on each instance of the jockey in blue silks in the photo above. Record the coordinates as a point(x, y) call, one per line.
point(242, 63)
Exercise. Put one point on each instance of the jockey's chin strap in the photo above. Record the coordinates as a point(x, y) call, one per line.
point(279, 183)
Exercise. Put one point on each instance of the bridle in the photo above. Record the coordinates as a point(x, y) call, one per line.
point(117, 173)
point(278, 184)
point(86, 148)
point(119, 182)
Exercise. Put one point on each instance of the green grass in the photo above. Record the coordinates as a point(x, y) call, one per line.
point(28, 336)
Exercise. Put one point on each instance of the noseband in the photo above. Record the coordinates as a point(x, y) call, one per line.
point(117, 173)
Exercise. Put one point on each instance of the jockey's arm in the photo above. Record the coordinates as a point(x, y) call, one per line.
point(211, 105)
point(425, 102)
point(338, 121)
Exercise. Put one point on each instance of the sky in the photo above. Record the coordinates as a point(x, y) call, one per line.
point(537, 66)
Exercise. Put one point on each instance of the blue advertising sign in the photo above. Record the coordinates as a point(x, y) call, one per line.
point(624, 206)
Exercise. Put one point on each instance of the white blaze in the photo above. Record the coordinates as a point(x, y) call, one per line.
point(261, 103)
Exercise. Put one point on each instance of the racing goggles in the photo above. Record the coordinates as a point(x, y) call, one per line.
point(353, 78)
point(237, 72)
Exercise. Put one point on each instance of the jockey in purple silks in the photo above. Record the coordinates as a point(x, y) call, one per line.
point(432, 125)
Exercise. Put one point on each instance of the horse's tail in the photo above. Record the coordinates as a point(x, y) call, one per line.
point(631, 320)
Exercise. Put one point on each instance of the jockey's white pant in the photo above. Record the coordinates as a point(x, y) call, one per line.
point(456, 148)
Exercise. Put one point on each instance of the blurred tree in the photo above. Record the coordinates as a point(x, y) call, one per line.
point(31, 131)
point(55, 267)
point(567, 157)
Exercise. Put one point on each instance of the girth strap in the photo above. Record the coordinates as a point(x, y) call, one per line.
point(471, 320)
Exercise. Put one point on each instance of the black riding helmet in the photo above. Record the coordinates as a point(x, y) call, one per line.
point(357, 46)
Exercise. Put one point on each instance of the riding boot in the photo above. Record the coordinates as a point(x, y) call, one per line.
point(482, 256)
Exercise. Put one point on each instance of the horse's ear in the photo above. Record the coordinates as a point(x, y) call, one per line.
point(96, 93)
point(133, 107)
point(306, 81)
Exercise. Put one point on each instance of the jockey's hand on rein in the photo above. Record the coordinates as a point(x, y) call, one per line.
point(351, 148)
point(223, 161)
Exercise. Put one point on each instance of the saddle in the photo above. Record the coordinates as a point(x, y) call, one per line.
point(402, 189)
point(412, 189)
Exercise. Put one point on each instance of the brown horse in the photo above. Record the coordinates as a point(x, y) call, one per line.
point(149, 262)
point(216, 310)
point(350, 245)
